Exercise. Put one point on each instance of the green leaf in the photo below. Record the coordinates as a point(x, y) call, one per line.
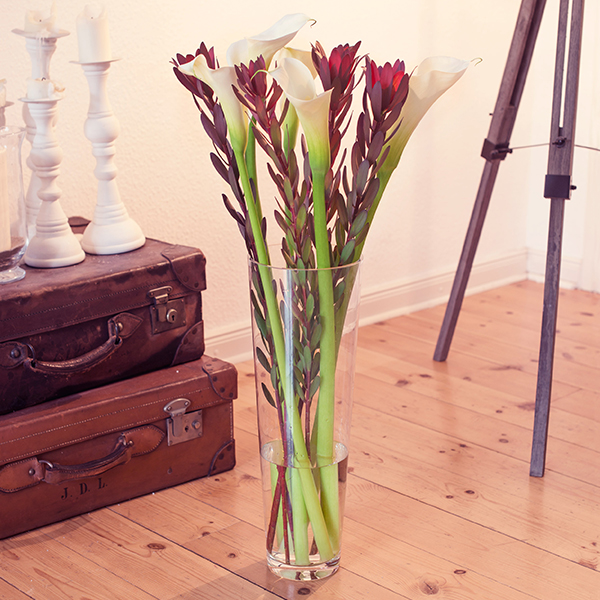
point(268, 395)
point(287, 191)
point(301, 218)
point(370, 193)
point(297, 374)
point(358, 223)
point(298, 346)
point(262, 358)
point(274, 379)
point(290, 240)
point(316, 364)
point(314, 386)
point(362, 176)
point(306, 251)
point(281, 221)
point(260, 323)
point(338, 292)
point(307, 356)
point(301, 277)
point(315, 339)
point(348, 252)
point(310, 306)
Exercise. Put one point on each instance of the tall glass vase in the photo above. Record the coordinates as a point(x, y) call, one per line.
point(305, 324)
point(13, 218)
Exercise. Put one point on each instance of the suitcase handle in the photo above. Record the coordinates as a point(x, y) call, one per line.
point(119, 328)
point(29, 472)
point(57, 473)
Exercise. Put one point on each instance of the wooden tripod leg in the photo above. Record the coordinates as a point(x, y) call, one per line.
point(466, 259)
point(494, 150)
point(558, 188)
point(546, 362)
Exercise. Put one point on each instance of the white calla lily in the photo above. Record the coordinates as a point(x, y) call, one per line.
point(221, 81)
point(431, 79)
point(290, 124)
point(313, 109)
point(267, 43)
point(304, 56)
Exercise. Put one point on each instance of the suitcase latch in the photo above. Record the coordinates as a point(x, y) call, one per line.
point(182, 426)
point(166, 314)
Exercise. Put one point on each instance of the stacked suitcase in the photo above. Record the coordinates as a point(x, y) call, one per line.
point(105, 391)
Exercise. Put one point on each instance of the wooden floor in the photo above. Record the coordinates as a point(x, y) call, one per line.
point(440, 502)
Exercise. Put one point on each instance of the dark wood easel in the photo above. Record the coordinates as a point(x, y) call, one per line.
point(557, 186)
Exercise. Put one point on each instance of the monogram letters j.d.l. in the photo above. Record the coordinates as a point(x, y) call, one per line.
point(79, 489)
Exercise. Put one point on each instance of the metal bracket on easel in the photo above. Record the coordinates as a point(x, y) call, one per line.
point(558, 186)
point(491, 151)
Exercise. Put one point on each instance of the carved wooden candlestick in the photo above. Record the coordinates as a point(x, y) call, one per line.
point(112, 230)
point(54, 243)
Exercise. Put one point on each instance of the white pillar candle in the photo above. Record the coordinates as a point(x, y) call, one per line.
point(92, 35)
point(5, 241)
point(2, 93)
point(40, 20)
point(40, 89)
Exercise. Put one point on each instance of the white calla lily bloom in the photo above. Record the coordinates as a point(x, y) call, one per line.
point(221, 81)
point(304, 56)
point(313, 109)
point(267, 43)
point(433, 77)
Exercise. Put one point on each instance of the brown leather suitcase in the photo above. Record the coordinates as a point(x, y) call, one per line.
point(108, 318)
point(107, 445)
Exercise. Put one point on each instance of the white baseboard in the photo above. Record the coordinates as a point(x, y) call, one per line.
point(234, 346)
point(392, 300)
point(570, 269)
point(409, 296)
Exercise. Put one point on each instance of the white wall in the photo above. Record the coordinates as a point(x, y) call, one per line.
point(170, 188)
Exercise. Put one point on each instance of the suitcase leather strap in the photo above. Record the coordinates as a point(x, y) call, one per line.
point(32, 471)
point(13, 354)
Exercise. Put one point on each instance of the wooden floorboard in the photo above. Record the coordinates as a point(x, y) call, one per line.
point(439, 501)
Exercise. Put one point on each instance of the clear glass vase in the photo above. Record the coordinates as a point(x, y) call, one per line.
point(13, 220)
point(305, 324)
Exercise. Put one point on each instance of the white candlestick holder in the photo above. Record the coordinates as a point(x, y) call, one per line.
point(40, 48)
point(32, 200)
point(54, 243)
point(112, 230)
point(2, 115)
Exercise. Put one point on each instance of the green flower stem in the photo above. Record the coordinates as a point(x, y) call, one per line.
point(326, 403)
point(310, 494)
point(325, 407)
point(300, 520)
point(250, 159)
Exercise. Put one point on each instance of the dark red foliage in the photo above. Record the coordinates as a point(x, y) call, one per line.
point(255, 94)
point(215, 125)
point(191, 83)
point(337, 73)
point(387, 89)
